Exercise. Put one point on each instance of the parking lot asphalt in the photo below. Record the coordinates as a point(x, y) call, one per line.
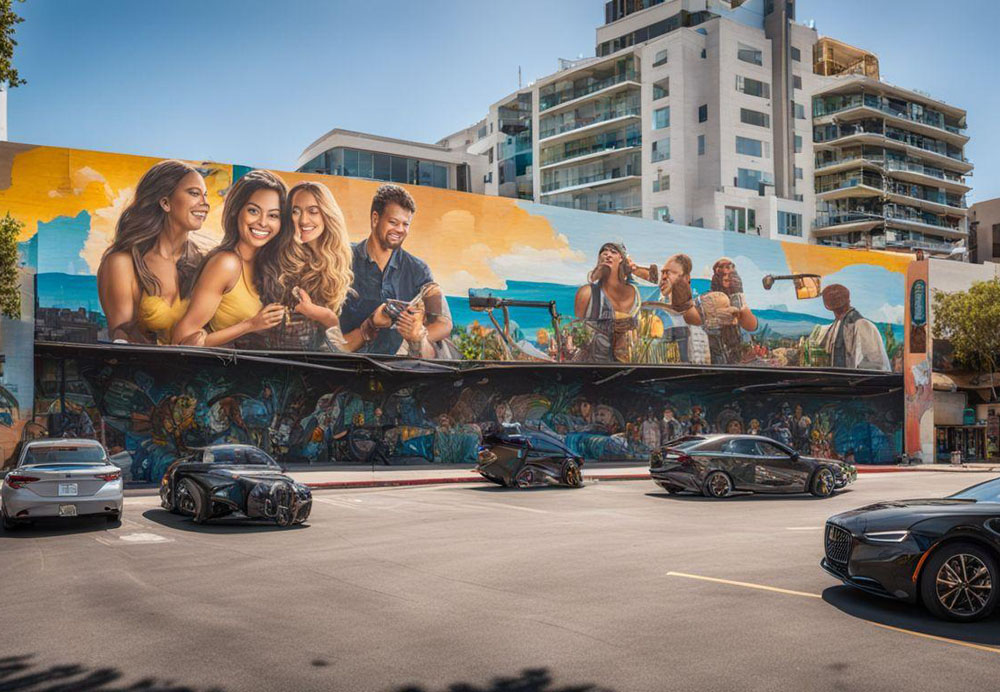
point(614, 586)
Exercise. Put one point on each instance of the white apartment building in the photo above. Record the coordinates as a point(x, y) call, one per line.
point(715, 113)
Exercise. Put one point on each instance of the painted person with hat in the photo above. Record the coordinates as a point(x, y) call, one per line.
point(852, 341)
point(609, 305)
point(731, 311)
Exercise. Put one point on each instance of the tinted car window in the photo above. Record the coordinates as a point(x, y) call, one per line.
point(740, 446)
point(711, 446)
point(222, 455)
point(255, 457)
point(984, 492)
point(770, 450)
point(68, 454)
point(685, 442)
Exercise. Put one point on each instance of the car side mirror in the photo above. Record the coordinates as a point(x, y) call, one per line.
point(795, 456)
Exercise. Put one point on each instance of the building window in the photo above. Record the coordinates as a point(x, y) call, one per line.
point(662, 214)
point(796, 54)
point(661, 149)
point(800, 110)
point(798, 144)
point(703, 113)
point(796, 81)
point(750, 178)
point(752, 87)
point(996, 239)
point(661, 89)
point(701, 145)
point(751, 117)
point(798, 173)
point(750, 54)
point(789, 224)
point(750, 147)
point(704, 54)
point(736, 219)
point(660, 59)
point(661, 118)
point(661, 183)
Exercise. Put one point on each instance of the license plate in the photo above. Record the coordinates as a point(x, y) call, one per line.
point(66, 489)
point(67, 510)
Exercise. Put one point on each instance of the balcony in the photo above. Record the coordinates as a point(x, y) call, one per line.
point(847, 136)
point(823, 108)
point(903, 170)
point(578, 154)
point(593, 180)
point(566, 96)
point(607, 116)
point(843, 221)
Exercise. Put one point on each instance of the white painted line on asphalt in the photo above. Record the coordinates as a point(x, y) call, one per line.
point(945, 640)
point(744, 584)
point(137, 538)
point(336, 503)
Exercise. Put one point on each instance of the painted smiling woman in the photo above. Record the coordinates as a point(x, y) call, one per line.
point(226, 299)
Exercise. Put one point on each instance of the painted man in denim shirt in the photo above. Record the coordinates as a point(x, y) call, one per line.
point(384, 271)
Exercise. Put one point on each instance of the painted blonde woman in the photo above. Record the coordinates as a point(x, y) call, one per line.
point(145, 278)
point(315, 263)
point(226, 300)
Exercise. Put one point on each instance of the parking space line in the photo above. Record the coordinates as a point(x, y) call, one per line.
point(744, 584)
point(945, 640)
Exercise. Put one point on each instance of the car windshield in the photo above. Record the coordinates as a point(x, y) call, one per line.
point(241, 456)
point(64, 454)
point(984, 492)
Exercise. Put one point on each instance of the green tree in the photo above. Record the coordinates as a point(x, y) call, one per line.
point(9, 19)
point(970, 320)
point(10, 286)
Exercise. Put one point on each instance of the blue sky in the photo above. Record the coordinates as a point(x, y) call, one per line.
point(254, 82)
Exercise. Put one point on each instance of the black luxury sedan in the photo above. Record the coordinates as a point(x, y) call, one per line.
point(223, 480)
point(941, 552)
point(521, 458)
point(718, 465)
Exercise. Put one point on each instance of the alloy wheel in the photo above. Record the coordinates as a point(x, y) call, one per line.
point(963, 585)
point(719, 484)
point(823, 483)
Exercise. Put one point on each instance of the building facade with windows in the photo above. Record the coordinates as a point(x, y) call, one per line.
point(446, 164)
point(984, 231)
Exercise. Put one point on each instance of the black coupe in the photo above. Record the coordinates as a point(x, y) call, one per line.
point(521, 458)
point(942, 552)
point(223, 480)
point(718, 465)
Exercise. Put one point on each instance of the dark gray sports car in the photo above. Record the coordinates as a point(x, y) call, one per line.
point(718, 465)
point(223, 480)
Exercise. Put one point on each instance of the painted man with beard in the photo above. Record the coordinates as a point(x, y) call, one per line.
point(384, 271)
point(609, 305)
point(852, 341)
point(725, 340)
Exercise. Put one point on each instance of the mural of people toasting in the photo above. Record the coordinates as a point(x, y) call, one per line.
point(146, 251)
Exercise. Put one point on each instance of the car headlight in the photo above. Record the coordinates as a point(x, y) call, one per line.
point(887, 536)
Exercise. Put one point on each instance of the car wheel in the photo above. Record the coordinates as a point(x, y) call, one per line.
point(525, 478)
point(718, 485)
point(8, 523)
point(571, 474)
point(959, 583)
point(823, 483)
point(189, 500)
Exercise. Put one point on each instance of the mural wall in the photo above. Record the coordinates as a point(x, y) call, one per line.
point(156, 408)
point(138, 250)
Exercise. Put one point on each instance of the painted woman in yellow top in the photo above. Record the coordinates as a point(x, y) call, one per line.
point(145, 277)
point(315, 259)
point(226, 298)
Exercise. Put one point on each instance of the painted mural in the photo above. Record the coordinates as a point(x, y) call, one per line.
point(141, 250)
point(154, 410)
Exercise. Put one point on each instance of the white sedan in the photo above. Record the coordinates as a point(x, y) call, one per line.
point(61, 478)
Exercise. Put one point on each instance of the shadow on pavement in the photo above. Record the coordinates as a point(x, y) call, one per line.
point(48, 527)
point(218, 526)
point(883, 611)
point(529, 680)
point(25, 672)
point(493, 488)
point(746, 497)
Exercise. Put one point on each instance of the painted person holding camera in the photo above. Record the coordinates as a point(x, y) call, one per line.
point(394, 305)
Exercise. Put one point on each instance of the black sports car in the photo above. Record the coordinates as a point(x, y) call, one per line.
point(717, 465)
point(223, 480)
point(942, 552)
point(519, 458)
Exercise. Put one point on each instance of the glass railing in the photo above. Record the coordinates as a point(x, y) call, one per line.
point(933, 146)
point(893, 165)
point(612, 174)
point(826, 220)
point(570, 153)
point(842, 183)
point(821, 108)
point(626, 202)
point(552, 100)
point(631, 108)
